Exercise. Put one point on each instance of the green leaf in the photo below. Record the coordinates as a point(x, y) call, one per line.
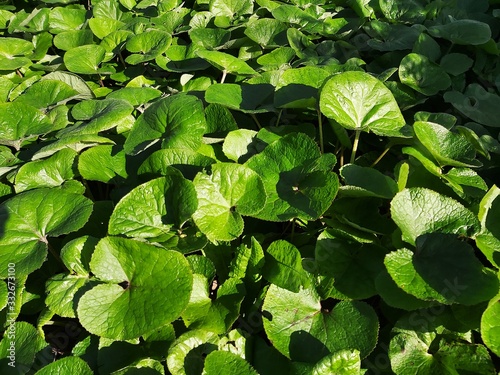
point(66, 366)
point(72, 39)
point(466, 32)
point(20, 122)
point(226, 363)
point(300, 329)
point(72, 80)
point(215, 315)
point(84, 59)
point(254, 98)
point(396, 297)
point(232, 8)
point(342, 362)
point(239, 145)
point(488, 240)
point(13, 52)
point(299, 88)
point(283, 266)
point(352, 267)
point(136, 96)
point(29, 218)
point(65, 19)
point(177, 120)
point(74, 142)
point(358, 101)
point(419, 210)
point(419, 347)
point(187, 161)
point(147, 45)
point(230, 191)
point(186, 355)
point(297, 178)
point(76, 254)
point(490, 326)
point(446, 147)
point(477, 104)
point(267, 32)
point(366, 182)
point(226, 62)
point(403, 11)
point(61, 290)
point(276, 58)
point(45, 93)
point(442, 269)
point(98, 116)
point(102, 163)
point(422, 75)
point(156, 210)
point(143, 288)
point(27, 343)
point(456, 63)
point(51, 172)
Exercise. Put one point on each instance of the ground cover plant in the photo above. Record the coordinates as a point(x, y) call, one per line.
point(249, 187)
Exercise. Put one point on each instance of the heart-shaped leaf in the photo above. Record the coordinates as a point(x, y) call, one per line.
point(297, 178)
point(302, 330)
point(230, 191)
point(143, 288)
point(422, 75)
point(29, 218)
point(419, 210)
point(178, 120)
point(156, 210)
point(442, 269)
point(359, 101)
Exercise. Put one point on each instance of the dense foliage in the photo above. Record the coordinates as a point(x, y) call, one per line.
point(250, 187)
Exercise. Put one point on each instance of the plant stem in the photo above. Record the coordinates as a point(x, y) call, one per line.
point(19, 73)
point(355, 146)
point(341, 161)
point(279, 117)
point(320, 126)
point(381, 156)
point(223, 78)
point(256, 120)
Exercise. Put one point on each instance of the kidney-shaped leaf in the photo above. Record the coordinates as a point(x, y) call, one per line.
point(66, 366)
point(467, 32)
point(226, 62)
point(221, 362)
point(19, 122)
point(179, 120)
point(155, 210)
point(442, 269)
point(147, 45)
point(84, 59)
point(300, 329)
point(419, 210)
point(29, 218)
point(422, 75)
point(144, 288)
point(99, 115)
point(47, 92)
point(359, 101)
point(252, 98)
point(13, 52)
point(297, 178)
point(448, 148)
point(230, 191)
point(477, 104)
